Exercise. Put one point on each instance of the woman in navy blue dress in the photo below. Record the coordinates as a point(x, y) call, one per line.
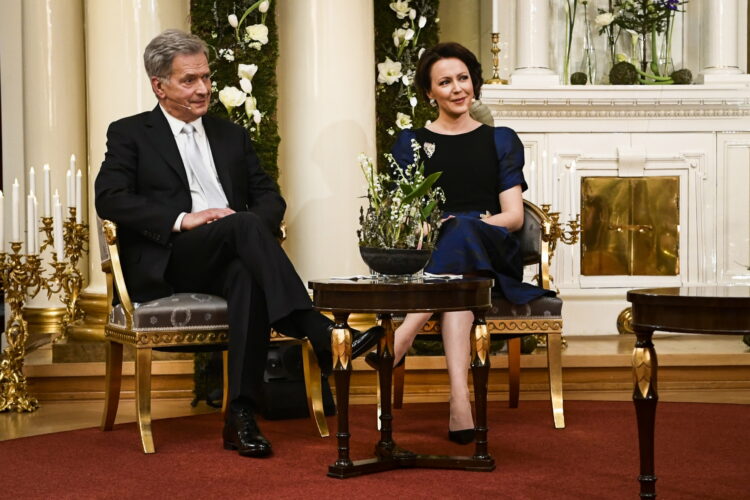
point(483, 180)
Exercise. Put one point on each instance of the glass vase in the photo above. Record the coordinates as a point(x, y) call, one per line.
point(666, 63)
point(588, 59)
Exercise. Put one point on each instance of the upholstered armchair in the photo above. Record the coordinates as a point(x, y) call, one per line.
point(180, 322)
point(507, 321)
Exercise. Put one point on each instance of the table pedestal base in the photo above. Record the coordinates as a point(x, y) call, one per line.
point(404, 459)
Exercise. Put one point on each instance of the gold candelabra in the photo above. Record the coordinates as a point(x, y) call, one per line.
point(496, 61)
point(23, 276)
point(554, 231)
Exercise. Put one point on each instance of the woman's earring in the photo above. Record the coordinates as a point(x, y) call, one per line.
point(433, 103)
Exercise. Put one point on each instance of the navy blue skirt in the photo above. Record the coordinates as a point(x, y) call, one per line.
point(467, 245)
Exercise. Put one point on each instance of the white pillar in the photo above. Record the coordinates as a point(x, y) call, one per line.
point(532, 45)
point(719, 42)
point(117, 32)
point(326, 81)
point(54, 105)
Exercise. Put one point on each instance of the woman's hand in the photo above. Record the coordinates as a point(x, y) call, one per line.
point(511, 204)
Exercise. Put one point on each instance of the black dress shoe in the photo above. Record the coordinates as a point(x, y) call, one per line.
point(464, 436)
point(363, 342)
point(241, 433)
point(373, 360)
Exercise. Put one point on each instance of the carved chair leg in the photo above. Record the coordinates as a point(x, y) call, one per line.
point(143, 397)
point(514, 371)
point(112, 384)
point(225, 385)
point(314, 388)
point(554, 366)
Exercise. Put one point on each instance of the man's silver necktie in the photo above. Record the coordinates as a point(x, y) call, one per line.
point(215, 197)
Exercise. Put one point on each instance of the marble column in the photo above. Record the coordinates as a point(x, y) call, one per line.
point(532, 45)
point(326, 76)
point(719, 42)
point(117, 32)
point(54, 112)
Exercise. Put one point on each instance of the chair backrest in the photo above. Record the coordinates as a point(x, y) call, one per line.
point(103, 247)
point(530, 235)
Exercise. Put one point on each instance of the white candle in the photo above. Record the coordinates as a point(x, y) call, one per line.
point(34, 218)
point(69, 189)
point(555, 186)
point(72, 167)
point(79, 209)
point(545, 179)
point(32, 181)
point(57, 233)
point(29, 224)
point(572, 189)
point(46, 190)
point(2, 223)
point(15, 213)
point(496, 16)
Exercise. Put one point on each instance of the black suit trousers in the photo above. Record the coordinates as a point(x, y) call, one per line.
point(238, 258)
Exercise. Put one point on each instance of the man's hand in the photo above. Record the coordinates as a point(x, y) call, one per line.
point(193, 220)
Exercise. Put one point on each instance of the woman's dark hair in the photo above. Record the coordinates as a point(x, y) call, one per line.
point(423, 79)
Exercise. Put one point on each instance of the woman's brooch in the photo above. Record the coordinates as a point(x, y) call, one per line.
point(429, 148)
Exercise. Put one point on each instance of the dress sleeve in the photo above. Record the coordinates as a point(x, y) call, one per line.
point(510, 159)
point(401, 150)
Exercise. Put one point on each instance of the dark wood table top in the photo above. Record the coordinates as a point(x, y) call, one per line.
point(709, 309)
point(394, 296)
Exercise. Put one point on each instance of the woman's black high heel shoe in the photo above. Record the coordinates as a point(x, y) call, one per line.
point(372, 359)
point(464, 436)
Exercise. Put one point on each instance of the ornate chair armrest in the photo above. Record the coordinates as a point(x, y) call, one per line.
point(109, 230)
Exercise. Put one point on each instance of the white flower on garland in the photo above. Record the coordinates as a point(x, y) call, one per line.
point(246, 85)
point(400, 35)
point(247, 71)
point(231, 97)
point(258, 32)
point(227, 54)
point(232, 20)
point(257, 116)
point(422, 21)
point(403, 120)
point(401, 8)
point(604, 19)
point(251, 105)
point(389, 71)
point(263, 7)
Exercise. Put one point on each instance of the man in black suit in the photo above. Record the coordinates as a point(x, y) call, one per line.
point(197, 213)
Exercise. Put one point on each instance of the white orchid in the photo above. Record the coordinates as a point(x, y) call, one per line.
point(263, 7)
point(247, 71)
point(604, 19)
point(403, 120)
point(401, 8)
point(389, 71)
point(231, 97)
point(258, 32)
point(251, 105)
point(232, 20)
point(246, 85)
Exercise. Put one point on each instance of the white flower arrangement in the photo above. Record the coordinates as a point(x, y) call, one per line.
point(233, 96)
point(399, 65)
point(402, 207)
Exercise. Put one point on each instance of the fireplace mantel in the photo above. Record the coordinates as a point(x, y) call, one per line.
point(699, 134)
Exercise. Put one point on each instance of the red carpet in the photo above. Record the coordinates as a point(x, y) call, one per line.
point(702, 452)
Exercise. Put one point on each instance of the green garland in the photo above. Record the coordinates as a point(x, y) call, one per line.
point(228, 48)
point(393, 98)
point(209, 20)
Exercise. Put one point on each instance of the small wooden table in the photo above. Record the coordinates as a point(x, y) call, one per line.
point(385, 298)
point(706, 310)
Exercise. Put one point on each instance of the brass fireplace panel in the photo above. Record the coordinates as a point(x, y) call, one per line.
point(630, 226)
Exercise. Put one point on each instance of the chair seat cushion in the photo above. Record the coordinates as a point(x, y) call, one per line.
point(544, 307)
point(178, 312)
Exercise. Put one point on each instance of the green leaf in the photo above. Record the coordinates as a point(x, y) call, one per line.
point(422, 188)
point(427, 210)
point(247, 12)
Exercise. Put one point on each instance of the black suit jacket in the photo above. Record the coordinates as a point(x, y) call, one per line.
point(142, 186)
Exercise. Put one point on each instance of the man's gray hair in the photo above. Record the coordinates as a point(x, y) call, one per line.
point(160, 52)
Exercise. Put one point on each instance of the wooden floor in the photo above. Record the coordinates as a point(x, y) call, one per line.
point(692, 368)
